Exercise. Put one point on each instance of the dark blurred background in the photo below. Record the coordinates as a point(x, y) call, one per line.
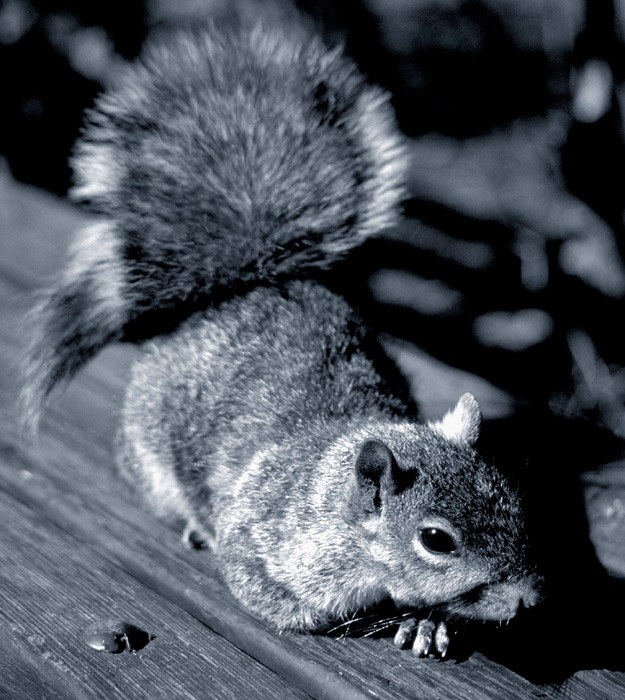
point(510, 261)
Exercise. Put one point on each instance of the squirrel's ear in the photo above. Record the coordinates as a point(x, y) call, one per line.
point(462, 425)
point(375, 467)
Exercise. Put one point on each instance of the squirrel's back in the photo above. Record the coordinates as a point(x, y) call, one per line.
point(217, 161)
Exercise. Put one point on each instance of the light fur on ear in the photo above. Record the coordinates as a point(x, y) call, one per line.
point(462, 425)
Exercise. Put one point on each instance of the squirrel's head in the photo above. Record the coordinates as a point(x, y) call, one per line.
point(444, 528)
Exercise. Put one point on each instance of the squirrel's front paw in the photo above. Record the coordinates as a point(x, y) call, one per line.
point(426, 636)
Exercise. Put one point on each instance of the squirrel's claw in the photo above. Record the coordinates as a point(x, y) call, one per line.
point(428, 637)
point(441, 639)
point(405, 632)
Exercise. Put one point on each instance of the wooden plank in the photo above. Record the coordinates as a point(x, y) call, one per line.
point(52, 587)
point(68, 478)
point(26, 677)
point(35, 230)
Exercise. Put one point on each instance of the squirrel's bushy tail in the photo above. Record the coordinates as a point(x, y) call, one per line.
point(218, 159)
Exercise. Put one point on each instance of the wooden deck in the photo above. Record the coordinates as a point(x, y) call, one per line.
point(75, 550)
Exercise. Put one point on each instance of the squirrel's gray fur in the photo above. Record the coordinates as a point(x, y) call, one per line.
point(222, 167)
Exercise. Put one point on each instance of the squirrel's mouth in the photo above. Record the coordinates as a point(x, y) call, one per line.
point(500, 601)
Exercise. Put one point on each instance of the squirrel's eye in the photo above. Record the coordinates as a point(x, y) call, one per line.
point(437, 541)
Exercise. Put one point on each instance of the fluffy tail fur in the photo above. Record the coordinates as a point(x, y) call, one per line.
point(217, 160)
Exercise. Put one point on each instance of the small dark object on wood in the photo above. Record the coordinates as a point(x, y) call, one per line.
point(115, 636)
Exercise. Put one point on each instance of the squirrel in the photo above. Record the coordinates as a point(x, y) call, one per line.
point(227, 169)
